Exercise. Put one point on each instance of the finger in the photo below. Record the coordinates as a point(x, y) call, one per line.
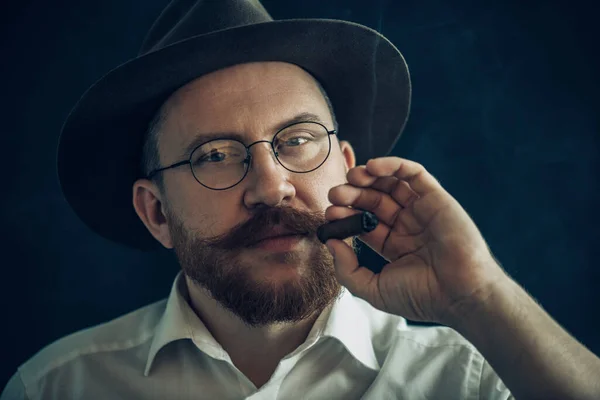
point(366, 199)
point(358, 176)
point(379, 239)
point(386, 208)
point(335, 212)
point(400, 190)
point(360, 281)
point(387, 184)
point(421, 181)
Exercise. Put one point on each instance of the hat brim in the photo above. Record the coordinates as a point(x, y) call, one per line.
point(99, 149)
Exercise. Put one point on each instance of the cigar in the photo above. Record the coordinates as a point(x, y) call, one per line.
point(349, 226)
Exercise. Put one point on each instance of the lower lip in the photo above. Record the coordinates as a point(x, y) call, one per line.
point(279, 243)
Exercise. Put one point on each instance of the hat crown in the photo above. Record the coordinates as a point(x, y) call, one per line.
point(183, 19)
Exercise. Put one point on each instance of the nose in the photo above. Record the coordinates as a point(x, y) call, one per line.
point(267, 180)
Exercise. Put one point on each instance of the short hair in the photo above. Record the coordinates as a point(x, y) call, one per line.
point(150, 154)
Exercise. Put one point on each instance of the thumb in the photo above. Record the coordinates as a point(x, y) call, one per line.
point(360, 281)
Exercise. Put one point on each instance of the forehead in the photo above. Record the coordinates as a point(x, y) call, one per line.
point(250, 100)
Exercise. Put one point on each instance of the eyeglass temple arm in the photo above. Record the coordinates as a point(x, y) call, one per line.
point(177, 164)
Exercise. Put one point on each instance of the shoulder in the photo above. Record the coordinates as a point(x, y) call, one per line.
point(434, 357)
point(440, 347)
point(120, 334)
point(397, 342)
point(390, 330)
point(444, 361)
point(434, 336)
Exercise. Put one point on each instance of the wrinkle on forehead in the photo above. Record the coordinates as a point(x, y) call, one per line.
point(240, 88)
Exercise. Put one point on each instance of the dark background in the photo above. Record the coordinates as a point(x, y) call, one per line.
point(505, 115)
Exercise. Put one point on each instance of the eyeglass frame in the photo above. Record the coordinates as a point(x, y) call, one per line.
point(248, 158)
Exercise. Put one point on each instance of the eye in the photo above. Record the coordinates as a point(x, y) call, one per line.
point(296, 141)
point(213, 156)
point(220, 155)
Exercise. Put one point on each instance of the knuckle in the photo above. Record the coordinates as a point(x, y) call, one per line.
point(371, 198)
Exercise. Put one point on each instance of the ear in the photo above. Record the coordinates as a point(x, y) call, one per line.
point(348, 153)
point(149, 207)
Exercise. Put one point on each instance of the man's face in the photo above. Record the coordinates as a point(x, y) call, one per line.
point(212, 232)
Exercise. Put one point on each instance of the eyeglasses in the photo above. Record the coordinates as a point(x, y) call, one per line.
point(220, 164)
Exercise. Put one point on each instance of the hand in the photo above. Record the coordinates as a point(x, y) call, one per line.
point(438, 260)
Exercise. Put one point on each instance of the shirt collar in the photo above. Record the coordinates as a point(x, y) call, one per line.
point(356, 324)
point(179, 321)
point(350, 320)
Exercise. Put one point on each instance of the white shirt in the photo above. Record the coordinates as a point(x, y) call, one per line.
point(164, 351)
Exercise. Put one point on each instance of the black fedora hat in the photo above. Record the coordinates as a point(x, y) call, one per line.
point(100, 146)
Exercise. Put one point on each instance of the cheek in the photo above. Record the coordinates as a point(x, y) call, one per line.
point(209, 215)
point(318, 183)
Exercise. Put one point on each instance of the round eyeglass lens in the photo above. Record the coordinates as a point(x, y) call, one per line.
point(302, 147)
point(219, 164)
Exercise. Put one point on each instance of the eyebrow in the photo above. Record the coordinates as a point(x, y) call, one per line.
point(206, 137)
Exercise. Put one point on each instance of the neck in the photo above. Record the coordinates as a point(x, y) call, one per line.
point(262, 347)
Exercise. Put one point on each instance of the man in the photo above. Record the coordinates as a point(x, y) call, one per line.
point(244, 159)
